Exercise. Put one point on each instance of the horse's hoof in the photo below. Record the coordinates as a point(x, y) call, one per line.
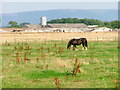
point(83, 49)
point(76, 50)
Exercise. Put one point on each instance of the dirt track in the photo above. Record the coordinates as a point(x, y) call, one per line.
point(11, 37)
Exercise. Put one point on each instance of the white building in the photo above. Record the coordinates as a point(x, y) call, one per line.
point(102, 29)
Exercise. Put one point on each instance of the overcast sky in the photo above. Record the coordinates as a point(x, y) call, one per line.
point(59, 0)
point(13, 6)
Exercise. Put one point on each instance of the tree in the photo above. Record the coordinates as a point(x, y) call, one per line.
point(115, 24)
point(23, 24)
point(76, 20)
point(12, 23)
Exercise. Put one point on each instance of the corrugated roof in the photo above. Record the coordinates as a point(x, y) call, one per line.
point(68, 25)
point(37, 26)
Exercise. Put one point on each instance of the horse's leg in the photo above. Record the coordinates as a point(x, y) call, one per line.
point(83, 46)
point(74, 46)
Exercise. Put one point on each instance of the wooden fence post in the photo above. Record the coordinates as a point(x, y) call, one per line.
point(15, 41)
point(97, 39)
point(26, 42)
point(62, 40)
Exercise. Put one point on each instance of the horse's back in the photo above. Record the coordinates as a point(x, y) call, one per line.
point(72, 40)
point(83, 39)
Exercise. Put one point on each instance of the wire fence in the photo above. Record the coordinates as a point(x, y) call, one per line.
point(51, 40)
point(51, 37)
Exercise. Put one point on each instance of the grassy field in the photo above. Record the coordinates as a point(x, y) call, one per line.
point(49, 65)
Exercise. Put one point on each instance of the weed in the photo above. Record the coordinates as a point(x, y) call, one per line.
point(116, 84)
point(43, 56)
point(28, 48)
point(46, 66)
point(48, 49)
point(37, 59)
point(15, 48)
point(25, 58)
point(61, 50)
point(17, 58)
point(55, 45)
point(21, 48)
point(57, 82)
point(76, 68)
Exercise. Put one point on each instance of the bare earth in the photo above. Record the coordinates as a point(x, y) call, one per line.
point(12, 37)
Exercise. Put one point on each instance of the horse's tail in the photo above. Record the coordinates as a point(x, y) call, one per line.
point(85, 42)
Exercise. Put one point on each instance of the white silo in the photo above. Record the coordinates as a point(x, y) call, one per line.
point(43, 21)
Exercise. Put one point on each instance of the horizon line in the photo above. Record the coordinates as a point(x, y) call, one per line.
point(53, 9)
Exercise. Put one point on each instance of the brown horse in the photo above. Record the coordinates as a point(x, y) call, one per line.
point(79, 41)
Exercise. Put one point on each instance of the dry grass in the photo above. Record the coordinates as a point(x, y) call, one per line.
point(16, 37)
point(76, 68)
point(61, 63)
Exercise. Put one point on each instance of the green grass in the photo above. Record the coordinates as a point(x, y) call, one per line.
point(51, 59)
point(43, 74)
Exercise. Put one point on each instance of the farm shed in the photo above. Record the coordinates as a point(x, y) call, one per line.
point(102, 29)
point(58, 27)
point(34, 27)
point(38, 26)
point(13, 29)
point(64, 27)
point(68, 25)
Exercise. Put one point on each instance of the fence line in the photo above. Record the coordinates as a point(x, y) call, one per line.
point(16, 40)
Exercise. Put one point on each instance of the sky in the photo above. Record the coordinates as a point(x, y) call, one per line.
point(59, 0)
point(14, 6)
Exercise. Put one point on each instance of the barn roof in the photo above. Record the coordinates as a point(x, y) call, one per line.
point(38, 26)
point(68, 25)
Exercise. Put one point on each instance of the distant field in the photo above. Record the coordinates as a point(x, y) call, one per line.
point(34, 64)
point(16, 37)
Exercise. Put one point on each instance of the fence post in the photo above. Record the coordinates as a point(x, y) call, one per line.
point(97, 39)
point(62, 40)
point(45, 40)
point(115, 38)
point(26, 42)
point(15, 41)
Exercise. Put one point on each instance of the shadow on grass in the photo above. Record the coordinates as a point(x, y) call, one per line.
point(43, 74)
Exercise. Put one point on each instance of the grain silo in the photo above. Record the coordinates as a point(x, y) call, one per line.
point(43, 21)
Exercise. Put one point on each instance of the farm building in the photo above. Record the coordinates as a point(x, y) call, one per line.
point(63, 27)
point(13, 29)
point(59, 27)
point(44, 27)
point(102, 29)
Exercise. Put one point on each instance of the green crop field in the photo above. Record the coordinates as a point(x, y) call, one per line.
point(49, 65)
